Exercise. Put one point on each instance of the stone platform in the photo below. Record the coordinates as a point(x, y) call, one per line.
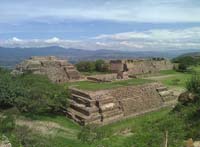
point(57, 70)
point(107, 106)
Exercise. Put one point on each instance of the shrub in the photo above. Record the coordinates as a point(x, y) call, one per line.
point(92, 133)
point(91, 66)
point(193, 85)
point(31, 93)
point(101, 66)
point(182, 67)
point(7, 124)
point(86, 66)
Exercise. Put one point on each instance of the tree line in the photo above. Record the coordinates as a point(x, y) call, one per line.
point(93, 66)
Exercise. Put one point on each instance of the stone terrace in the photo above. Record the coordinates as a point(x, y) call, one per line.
point(106, 106)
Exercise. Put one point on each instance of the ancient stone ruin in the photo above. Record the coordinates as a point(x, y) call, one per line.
point(57, 70)
point(106, 106)
point(108, 77)
point(140, 66)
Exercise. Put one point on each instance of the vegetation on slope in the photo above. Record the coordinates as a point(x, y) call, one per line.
point(31, 93)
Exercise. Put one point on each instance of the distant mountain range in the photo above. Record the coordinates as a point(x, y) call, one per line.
point(192, 54)
point(9, 57)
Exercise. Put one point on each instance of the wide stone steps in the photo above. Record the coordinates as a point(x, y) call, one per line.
point(111, 113)
point(108, 107)
point(106, 100)
point(160, 89)
point(81, 118)
point(86, 111)
point(79, 93)
point(83, 100)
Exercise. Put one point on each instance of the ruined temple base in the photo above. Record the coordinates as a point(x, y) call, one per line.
point(107, 106)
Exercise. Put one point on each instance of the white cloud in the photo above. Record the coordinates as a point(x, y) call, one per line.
point(155, 39)
point(53, 40)
point(15, 39)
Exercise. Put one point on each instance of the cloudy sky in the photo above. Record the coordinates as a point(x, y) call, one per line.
point(101, 24)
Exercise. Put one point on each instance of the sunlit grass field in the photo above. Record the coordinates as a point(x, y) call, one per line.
point(88, 85)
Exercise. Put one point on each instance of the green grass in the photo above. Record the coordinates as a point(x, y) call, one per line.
point(114, 140)
point(87, 85)
point(177, 80)
point(138, 121)
point(172, 78)
point(167, 72)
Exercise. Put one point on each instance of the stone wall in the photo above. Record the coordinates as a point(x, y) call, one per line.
point(108, 77)
point(107, 106)
point(140, 66)
point(57, 70)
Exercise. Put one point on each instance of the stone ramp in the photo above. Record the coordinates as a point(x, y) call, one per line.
point(107, 106)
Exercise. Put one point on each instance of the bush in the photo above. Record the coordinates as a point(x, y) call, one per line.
point(7, 124)
point(193, 85)
point(7, 89)
point(92, 133)
point(91, 66)
point(101, 66)
point(182, 67)
point(86, 66)
point(32, 93)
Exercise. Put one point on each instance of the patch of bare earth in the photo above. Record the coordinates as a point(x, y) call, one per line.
point(47, 128)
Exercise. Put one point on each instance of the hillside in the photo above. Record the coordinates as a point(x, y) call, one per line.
point(11, 56)
point(191, 54)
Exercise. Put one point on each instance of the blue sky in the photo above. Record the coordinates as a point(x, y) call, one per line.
point(101, 24)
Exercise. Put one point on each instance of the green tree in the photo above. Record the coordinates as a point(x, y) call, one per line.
point(101, 66)
point(86, 66)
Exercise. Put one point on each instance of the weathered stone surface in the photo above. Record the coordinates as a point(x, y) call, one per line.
point(107, 106)
point(108, 77)
point(140, 66)
point(103, 77)
point(57, 70)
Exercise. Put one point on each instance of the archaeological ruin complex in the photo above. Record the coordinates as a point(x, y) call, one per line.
point(108, 105)
point(57, 70)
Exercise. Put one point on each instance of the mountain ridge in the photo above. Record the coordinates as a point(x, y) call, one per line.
point(11, 56)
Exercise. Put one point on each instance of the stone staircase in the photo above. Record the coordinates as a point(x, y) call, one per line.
point(85, 110)
point(72, 72)
point(167, 95)
point(109, 109)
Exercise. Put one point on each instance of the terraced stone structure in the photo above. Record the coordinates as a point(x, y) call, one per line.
point(57, 70)
point(106, 106)
point(140, 66)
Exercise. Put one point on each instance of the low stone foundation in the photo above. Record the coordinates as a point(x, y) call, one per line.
point(108, 77)
point(106, 106)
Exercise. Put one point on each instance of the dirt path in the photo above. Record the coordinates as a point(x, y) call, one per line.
point(159, 77)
